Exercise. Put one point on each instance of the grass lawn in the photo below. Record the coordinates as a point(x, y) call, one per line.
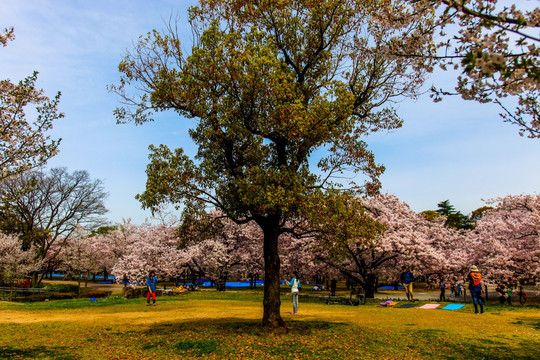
point(214, 325)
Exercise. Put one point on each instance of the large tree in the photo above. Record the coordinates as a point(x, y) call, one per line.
point(14, 262)
point(274, 86)
point(397, 236)
point(78, 256)
point(24, 142)
point(44, 209)
point(506, 241)
point(146, 248)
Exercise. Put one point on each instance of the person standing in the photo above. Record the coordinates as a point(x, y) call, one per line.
point(333, 285)
point(522, 295)
point(475, 288)
point(151, 283)
point(459, 287)
point(407, 280)
point(442, 286)
point(501, 294)
point(509, 291)
point(295, 287)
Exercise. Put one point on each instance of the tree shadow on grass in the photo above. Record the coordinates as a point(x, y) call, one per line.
point(59, 353)
point(489, 348)
point(202, 337)
point(240, 326)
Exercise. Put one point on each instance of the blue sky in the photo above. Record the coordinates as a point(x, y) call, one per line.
point(456, 150)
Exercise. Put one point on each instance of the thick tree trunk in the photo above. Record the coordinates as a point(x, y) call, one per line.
point(370, 291)
point(370, 286)
point(271, 302)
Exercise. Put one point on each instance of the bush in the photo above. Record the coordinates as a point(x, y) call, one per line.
point(63, 288)
point(22, 283)
point(85, 293)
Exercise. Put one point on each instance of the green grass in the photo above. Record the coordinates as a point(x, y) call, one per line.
point(226, 325)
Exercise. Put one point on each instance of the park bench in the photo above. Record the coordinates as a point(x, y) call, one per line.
point(356, 297)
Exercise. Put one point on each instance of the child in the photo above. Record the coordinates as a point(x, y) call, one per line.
point(151, 283)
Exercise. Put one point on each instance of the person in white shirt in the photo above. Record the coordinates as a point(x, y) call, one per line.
point(295, 287)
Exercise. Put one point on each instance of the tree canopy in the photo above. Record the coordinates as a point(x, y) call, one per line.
point(496, 46)
point(274, 87)
point(24, 143)
point(44, 209)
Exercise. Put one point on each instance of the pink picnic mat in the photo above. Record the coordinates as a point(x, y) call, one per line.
point(430, 306)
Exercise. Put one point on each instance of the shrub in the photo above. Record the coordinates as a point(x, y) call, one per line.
point(63, 288)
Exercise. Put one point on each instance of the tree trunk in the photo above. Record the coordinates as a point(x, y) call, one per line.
point(271, 302)
point(370, 286)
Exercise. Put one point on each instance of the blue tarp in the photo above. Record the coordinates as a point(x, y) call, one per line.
point(236, 283)
point(453, 307)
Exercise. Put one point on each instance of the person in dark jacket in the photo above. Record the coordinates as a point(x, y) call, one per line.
point(407, 280)
point(442, 286)
point(333, 285)
point(475, 287)
point(151, 283)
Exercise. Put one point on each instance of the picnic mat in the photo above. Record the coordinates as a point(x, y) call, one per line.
point(453, 306)
point(407, 306)
point(430, 306)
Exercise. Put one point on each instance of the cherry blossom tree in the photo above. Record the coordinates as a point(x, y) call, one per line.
point(24, 143)
point(496, 45)
point(45, 208)
point(402, 237)
point(78, 257)
point(6, 35)
point(218, 248)
point(149, 247)
point(15, 262)
point(506, 241)
point(113, 244)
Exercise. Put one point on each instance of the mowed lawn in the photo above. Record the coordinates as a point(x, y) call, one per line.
point(226, 325)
